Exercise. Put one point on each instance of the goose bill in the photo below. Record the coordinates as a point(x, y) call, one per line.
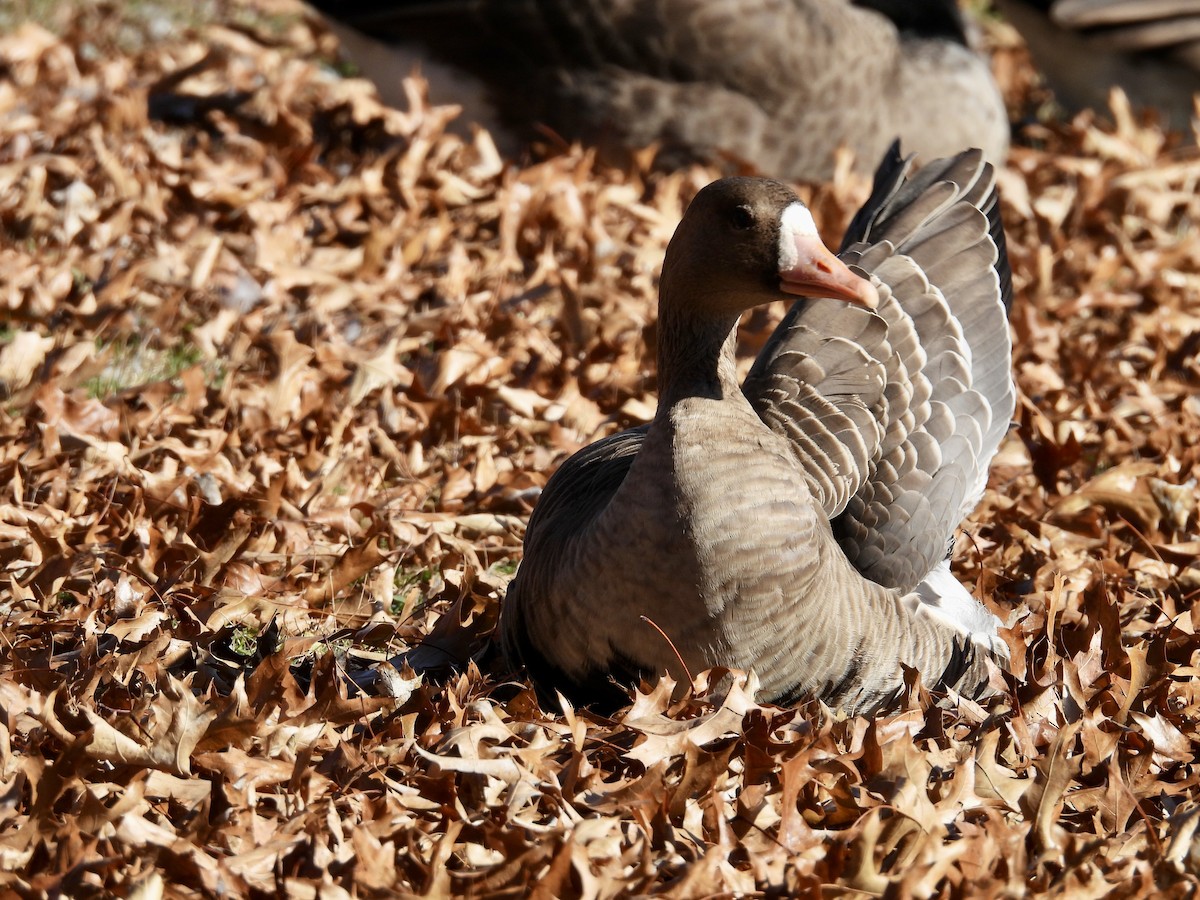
point(814, 271)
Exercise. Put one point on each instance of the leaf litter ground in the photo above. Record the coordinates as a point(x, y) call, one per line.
point(283, 370)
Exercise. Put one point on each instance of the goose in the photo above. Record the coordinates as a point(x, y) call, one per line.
point(797, 524)
point(1150, 48)
point(778, 85)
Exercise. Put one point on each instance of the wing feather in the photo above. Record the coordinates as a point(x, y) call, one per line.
point(905, 480)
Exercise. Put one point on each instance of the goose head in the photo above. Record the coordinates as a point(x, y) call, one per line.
point(748, 241)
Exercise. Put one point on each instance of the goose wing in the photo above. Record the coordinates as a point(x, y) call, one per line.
point(576, 493)
point(896, 419)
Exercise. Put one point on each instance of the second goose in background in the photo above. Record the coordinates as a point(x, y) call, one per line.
point(777, 84)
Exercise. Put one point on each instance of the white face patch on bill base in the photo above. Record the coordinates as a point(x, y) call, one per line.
point(808, 269)
point(796, 222)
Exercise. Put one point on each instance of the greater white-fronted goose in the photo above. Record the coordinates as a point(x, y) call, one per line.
point(799, 523)
point(780, 84)
point(1150, 48)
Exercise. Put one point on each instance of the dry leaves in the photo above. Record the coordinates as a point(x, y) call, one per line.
point(282, 375)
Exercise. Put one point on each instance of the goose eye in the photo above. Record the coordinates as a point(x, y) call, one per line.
point(741, 218)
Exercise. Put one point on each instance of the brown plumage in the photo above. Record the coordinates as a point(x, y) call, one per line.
point(798, 523)
point(778, 84)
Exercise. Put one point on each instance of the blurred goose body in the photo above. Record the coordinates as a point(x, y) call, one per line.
point(776, 84)
point(798, 523)
point(1149, 48)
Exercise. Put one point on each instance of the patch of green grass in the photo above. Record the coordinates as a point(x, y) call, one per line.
point(403, 586)
point(338, 648)
point(181, 356)
point(248, 15)
point(506, 567)
point(413, 577)
point(83, 284)
point(134, 363)
point(346, 68)
point(982, 10)
point(244, 641)
point(43, 12)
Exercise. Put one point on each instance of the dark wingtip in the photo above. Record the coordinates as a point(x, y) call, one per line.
point(888, 179)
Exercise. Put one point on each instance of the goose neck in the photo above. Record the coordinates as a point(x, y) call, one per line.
point(696, 355)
